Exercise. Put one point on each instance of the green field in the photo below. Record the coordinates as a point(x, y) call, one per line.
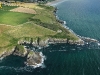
point(13, 18)
point(15, 26)
point(47, 19)
point(7, 8)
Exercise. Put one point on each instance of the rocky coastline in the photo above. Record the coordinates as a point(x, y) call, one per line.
point(29, 49)
point(33, 58)
point(81, 41)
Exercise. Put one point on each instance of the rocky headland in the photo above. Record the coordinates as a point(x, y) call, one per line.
point(37, 34)
point(33, 58)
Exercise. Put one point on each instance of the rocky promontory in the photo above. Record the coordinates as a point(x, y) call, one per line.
point(32, 58)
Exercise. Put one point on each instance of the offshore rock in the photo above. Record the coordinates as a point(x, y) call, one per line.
point(33, 59)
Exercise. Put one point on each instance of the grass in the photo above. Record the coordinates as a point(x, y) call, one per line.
point(31, 53)
point(13, 18)
point(4, 41)
point(30, 30)
point(6, 8)
point(20, 49)
point(46, 18)
point(11, 34)
point(42, 25)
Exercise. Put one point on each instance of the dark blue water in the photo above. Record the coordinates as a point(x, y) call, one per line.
point(83, 17)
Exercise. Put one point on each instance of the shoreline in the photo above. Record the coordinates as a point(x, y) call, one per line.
point(41, 64)
point(44, 43)
point(82, 40)
point(55, 2)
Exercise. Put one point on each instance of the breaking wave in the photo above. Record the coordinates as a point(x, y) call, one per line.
point(42, 65)
point(17, 69)
point(26, 68)
point(87, 40)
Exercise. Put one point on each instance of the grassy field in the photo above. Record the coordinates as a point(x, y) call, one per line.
point(10, 35)
point(15, 26)
point(29, 30)
point(7, 8)
point(46, 18)
point(13, 18)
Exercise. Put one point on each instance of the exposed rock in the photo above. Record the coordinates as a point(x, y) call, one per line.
point(33, 58)
point(86, 39)
point(44, 43)
point(77, 42)
point(20, 51)
point(53, 41)
point(6, 53)
point(59, 31)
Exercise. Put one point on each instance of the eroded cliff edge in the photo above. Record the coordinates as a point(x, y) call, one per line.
point(38, 30)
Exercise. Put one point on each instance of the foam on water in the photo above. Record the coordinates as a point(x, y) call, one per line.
point(81, 38)
point(61, 62)
point(18, 69)
point(41, 64)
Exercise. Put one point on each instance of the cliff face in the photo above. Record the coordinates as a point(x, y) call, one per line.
point(20, 51)
point(32, 58)
point(5, 53)
point(44, 29)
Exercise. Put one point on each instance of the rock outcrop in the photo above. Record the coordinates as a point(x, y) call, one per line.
point(20, 51)
point(5, 53)
point(32, 58)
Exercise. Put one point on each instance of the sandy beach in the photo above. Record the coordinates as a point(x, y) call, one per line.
point(56, 2)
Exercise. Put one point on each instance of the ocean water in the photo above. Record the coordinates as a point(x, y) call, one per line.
point(83, 17)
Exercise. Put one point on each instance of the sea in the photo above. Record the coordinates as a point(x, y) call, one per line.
point(83, 18)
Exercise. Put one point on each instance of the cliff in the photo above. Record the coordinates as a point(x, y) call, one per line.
point(32, 58)
point(26, 31)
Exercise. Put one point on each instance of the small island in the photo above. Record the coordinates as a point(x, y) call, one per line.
point(30, 24)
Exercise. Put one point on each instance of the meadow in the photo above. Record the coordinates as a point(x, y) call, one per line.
point(15, 26)
point(13, 18)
